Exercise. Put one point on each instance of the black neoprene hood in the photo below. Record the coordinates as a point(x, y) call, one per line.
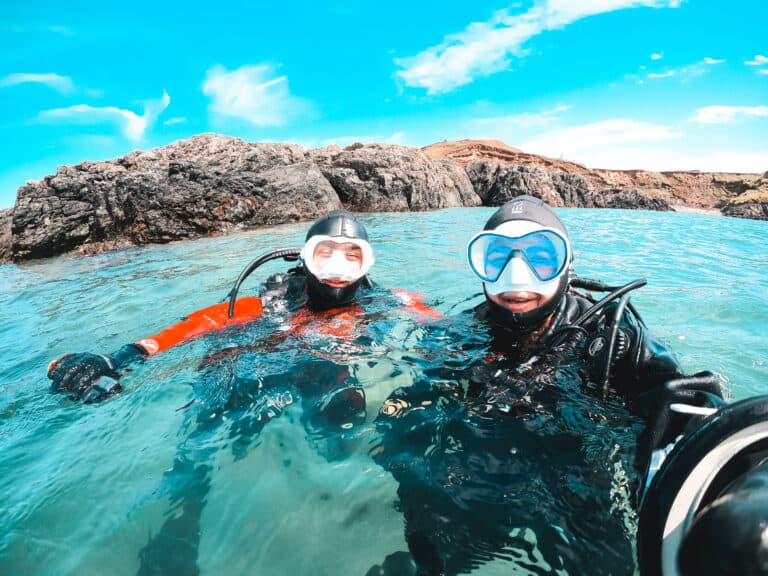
point(338, 223)
point(534, 210)
point(526, 208)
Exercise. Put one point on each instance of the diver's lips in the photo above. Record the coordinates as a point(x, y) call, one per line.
point(336, 283)
point(519, 301)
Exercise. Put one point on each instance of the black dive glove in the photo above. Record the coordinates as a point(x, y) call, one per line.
point(92, 377)
point(676, 406)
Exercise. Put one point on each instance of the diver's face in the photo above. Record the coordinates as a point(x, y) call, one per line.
point(520, 302)
point(338, 261)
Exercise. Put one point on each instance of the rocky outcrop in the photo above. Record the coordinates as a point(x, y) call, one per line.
point(498, 183)
point(390, 178)
point(212, 184)
point(5, 235)
point(743, 195)
point(751, 200)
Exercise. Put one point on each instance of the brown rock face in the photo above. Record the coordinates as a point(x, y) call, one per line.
point(390, 178)
point(744, 195)
point(212, 184)
point(207, 184)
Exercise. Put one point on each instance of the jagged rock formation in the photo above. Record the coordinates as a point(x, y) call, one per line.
point(744, 195)
point(212, 184)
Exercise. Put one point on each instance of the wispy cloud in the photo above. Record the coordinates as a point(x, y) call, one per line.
point(395, 138)
point(725, 114)
point(657, 56)
point(176, 120)
point(62, 84)
point(665, 158)
point(686, 72)
point(484, 48)
point(612, 143)
point(597, 138)
point(624, 144)
point(526, 120)
point(131, 124)
point(758, 60)
point(253, 93)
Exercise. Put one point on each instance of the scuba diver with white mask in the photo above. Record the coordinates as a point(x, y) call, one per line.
point(334, 263)
point(557, 354)
point(299, 344)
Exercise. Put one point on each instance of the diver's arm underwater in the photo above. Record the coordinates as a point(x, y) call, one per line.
point(334, 262)
point(91, 377)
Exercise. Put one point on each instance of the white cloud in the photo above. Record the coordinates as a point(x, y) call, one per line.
point(524, 120)
point(395, 138)
point(668, 159)
point(668, 74)
point(484, 48)
point(725, 114)
point(176, 120)
point(657, 56)
point(131, 124)
point(253, 93)
point(759, 60)
point(60, 83)
point(686, 72)
point(563, 12)
point(763, 71)
point(626, 144)
point(581, 143)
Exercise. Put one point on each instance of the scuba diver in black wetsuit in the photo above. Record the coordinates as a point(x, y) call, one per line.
point(328, 299)
point(556, 355)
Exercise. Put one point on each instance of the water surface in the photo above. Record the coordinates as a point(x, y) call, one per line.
point(83, 488)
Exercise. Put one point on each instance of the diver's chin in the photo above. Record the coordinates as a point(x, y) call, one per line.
point(518, 302)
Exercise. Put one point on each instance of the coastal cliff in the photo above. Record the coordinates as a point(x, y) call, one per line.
point(212, 184)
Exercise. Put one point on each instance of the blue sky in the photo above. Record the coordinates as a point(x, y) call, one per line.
point(649, 84)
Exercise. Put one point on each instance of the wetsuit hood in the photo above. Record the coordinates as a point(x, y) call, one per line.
point(531, 209)
point(336, 224)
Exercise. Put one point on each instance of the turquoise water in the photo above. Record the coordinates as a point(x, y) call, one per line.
point(83, 488)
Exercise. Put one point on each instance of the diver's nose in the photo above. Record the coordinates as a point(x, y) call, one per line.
point(517, 272)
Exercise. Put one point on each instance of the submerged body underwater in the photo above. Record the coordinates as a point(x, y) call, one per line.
point(219, 457)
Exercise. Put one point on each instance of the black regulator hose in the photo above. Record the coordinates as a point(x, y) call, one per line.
point(595, 285)
point(598, 286)
point(612, 341)
point(287, 254)
point(616, 293)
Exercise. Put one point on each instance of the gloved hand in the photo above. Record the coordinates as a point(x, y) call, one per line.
point(678, 406)
point(669, 411)
point(92, 377)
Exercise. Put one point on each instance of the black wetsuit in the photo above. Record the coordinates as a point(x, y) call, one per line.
point(520, 455)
